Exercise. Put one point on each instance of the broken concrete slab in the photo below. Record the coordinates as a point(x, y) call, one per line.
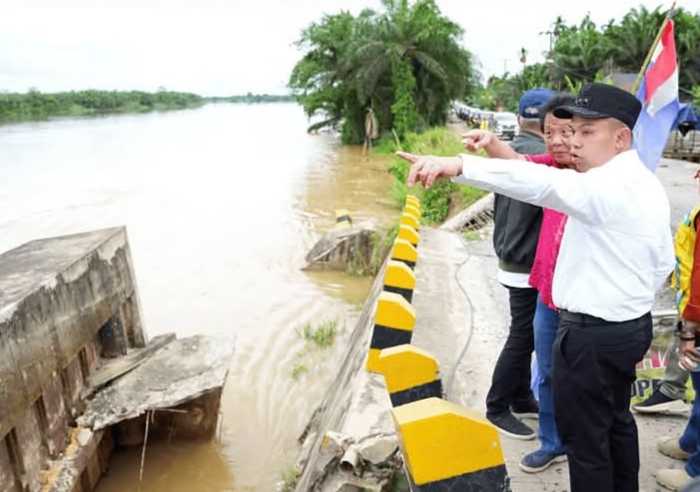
point(338, 248)
point(181, 371)
point(112, 369)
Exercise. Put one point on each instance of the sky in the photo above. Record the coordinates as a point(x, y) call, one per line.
point(226, 47)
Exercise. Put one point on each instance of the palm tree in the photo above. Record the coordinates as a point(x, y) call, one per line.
point(581, 52)
point(633, 36)
point(418, 42)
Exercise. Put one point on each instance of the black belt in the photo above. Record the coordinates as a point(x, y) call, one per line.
point(581, 318)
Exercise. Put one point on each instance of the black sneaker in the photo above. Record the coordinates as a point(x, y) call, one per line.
point(526, 410)
point(509, 425)
point(658, 403)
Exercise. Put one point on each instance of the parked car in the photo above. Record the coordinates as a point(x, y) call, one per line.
point(506, 126)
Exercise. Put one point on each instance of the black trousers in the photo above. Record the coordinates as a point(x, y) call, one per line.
point(593, 368)
point(510, 383)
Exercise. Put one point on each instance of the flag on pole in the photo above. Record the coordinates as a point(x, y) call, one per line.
point(658, 93)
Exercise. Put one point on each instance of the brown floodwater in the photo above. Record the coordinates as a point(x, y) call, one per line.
point(221, 205)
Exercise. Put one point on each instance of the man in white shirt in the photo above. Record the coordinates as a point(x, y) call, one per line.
point(616, 252)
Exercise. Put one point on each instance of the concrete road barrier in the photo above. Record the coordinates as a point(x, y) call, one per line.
point(448, 448)
point(400, 279)
point(405, 252)
point(393, 325)
point(411, 374)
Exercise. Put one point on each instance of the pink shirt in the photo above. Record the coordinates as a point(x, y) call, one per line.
point(551, 233)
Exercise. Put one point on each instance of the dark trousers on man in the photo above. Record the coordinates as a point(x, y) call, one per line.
point(593, 368)
point(510, 385)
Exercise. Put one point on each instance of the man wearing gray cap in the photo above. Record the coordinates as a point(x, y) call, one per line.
point(615, 254)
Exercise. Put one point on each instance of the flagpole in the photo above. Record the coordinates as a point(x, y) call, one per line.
point(638, 82)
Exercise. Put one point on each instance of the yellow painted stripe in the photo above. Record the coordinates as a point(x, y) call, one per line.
point(373, 363)
point(408, 233)
point(406, 366)
point(393, 311)
point(409, 220)
point(440, 440)
point(398, 274)
point(403, 250)
point(413, 199)
point(413, 210)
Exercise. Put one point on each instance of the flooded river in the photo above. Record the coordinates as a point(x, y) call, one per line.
point(221, 204)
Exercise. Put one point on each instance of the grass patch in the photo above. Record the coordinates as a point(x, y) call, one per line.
point(299, 370)
point(290, 478)
point(445, 195)
point(322, 335)
point(473, 235)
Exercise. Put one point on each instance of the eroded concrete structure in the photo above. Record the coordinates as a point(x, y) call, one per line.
point(72, 345)
point(64, 303)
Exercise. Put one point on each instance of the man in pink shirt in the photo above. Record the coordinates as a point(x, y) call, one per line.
point(556, 133)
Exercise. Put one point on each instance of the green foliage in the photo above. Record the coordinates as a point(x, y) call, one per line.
point(290, 479)
point(381, 244)
point(696, 95)
point(251, 98)
point(406, 63)
point(322, 335)
point(35, 105)
point(444, 195)
point(404, 108)
point(299, 370)
point(586, 52)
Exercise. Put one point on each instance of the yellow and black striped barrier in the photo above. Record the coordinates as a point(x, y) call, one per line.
point(393, 325)
point(413, 210)
point(399, 279)
point(410, 220)
point(409, 234)
point(405, 252)
point(342, 219)
point(411, 374)
point(413, 200)
point(448, 448)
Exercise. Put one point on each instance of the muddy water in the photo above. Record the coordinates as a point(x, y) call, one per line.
point(221, 204)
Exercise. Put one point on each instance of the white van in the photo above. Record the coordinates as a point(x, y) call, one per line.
point(506, 126)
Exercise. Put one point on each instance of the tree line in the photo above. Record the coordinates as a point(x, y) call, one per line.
point(251, 98)
point(587, 52)
point(37, 105)
point(406, 64)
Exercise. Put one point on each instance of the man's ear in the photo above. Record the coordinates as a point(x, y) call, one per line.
point(623, 138)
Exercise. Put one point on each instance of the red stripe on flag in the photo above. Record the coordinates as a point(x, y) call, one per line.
point(665, 64)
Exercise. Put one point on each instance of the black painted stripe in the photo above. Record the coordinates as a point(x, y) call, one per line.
point(385, 337)
point(343, 218)
point(420, 392)
point(494, 479)
point(405, 293)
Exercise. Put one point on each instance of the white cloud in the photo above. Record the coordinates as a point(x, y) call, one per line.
point(229, 47)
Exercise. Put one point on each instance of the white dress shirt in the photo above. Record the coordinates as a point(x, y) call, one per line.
point(617, 248)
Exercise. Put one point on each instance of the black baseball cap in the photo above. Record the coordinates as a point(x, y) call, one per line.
point(597, 101)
